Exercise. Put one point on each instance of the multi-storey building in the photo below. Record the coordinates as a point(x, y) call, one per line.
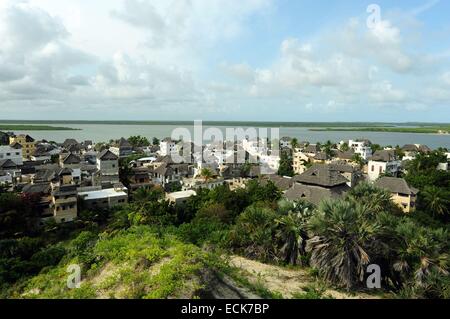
point(27, 142)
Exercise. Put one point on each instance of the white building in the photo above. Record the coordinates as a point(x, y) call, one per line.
point(270, 163)
point(361, 147)
point(383, 162)
point(178, 198)
point(285, 142)
point(12, 152)
point(104, 198)
point(167, 147)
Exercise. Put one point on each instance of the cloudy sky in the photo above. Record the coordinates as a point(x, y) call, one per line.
point(279, 60)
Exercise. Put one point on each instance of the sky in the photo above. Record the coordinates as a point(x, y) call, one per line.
point(250, 60)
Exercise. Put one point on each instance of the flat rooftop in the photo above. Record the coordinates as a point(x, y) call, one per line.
point(101, 194)
point(183, 194)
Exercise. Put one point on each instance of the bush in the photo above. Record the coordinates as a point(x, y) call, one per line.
point(253, 234)
point(214, 211)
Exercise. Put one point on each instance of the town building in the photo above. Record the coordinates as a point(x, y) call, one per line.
point(411, 151)
point(43, 192)
point(383, 162)
point(361, 147)
point(167, 147)
point(318, 183)
point(12, 152)
point(402, 194)
point(108, 167)
point(300, 162)
point(122, 148)
point(180, 198)
point(98, 198)
point(285, 142)
point(27, 142)
point(194, 183)
point(4, 137)
point(283, 183)
point(9, 172)
point(64, 203)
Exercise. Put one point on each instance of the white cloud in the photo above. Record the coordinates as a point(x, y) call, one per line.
point(158, 55)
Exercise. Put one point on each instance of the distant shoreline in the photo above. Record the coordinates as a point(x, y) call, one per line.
point(420, 130)
point(328, 126)
point(12, 127)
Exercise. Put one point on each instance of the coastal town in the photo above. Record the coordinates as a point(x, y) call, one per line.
point(63, 178)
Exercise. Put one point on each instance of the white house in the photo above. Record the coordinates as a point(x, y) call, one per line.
point(12, 152)
point(361, 147)
point(383, 162)
point(285, 142)
point(179, 198)
point(108, 166)
point(167, 147)
point(104, 198)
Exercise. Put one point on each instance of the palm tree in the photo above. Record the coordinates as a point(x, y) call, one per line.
point(376, 200)
point(206, 174)
point(436, 200)
point(341, 242)
point(253, 233)
point(294, 143)
point(358, 159)
point(291, 229)
point(345, 147)
point(420, 252)
point(327, 148)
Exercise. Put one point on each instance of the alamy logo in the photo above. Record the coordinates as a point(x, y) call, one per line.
point(74, 278)
point(375, 16)
point(229, 146)
point(374, 279)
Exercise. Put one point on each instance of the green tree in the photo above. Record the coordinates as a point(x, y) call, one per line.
point(436, 200)
point(138, 141)
point(420, 256)
point(358, 159)
point(375, 199)
point(342, 242)
point(286, 164)
point(207, 174)
point(345, 147)
point(215, 211)
point(253, 234)
point(294, 143)
point(291, 230)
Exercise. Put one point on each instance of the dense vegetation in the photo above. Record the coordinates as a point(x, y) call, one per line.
point(176, 245)
point(422, 129)
point(18, 127)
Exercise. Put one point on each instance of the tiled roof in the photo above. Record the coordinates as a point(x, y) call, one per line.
point(72, 159)
point(396, 185)
point(7, 164)
point(282, 183)
point(321, 175)
point(107, 155)
point(312, 148)
point(348, 155)
point(124, 143)
point(312, 194)
point(37, 188)
point(384, 156)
